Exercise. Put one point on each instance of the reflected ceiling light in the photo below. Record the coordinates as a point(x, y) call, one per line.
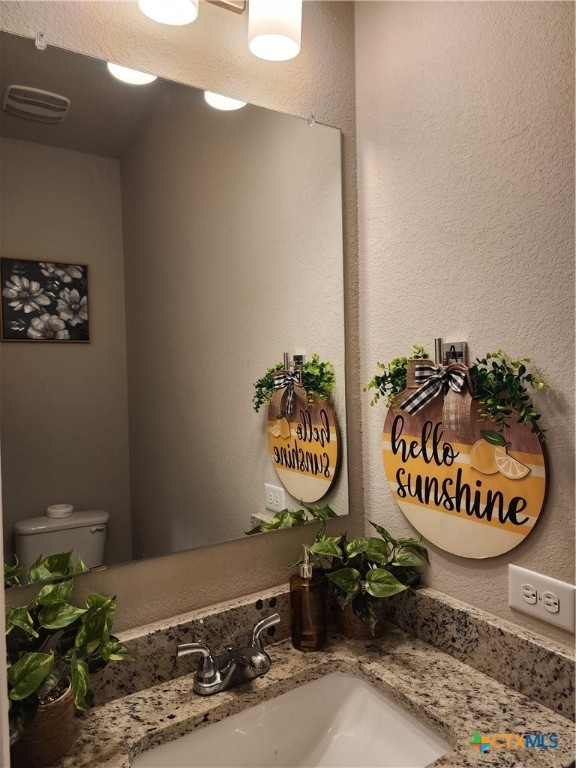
point(174, 12)
point(132, 76)
point(226, 103)
point(274, 28)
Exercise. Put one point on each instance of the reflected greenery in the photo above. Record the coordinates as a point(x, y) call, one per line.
point(45, 568)
point(290, 518)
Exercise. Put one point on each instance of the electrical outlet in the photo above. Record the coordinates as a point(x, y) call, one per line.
point(551, 602)
point(529, 594)
point(542, 597)
point(275, 497)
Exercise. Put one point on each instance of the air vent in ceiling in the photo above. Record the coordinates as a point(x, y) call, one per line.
point(35, 104)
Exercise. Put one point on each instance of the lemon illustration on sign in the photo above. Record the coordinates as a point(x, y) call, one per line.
point(490, 455)
point(482, 457)
point(282, 427)
point(508, 466)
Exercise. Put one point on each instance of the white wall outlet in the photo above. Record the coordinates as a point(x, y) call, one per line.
point(275, 497)
point(529, 594)
point(541, 596)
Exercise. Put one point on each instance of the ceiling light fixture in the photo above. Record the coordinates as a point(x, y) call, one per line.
point(226, 103)
point(274, 28)
point(173, 12)
point(132, 76)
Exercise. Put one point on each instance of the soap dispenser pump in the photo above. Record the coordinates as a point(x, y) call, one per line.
point(308, 607)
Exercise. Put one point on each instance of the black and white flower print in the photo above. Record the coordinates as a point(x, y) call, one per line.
point(47, 327)
point(44, 301)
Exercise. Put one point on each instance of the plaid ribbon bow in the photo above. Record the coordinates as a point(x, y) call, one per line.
point(431, 379)
point(286, 380)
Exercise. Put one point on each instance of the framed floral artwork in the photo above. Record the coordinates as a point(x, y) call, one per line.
point(44, 301)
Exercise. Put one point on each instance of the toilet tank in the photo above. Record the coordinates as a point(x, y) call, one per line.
point(82, 532)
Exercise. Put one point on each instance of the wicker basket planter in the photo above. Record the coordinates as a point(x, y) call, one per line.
point(351, 626)
point(50, 735)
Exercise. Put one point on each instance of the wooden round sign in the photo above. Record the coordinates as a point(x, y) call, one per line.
point(304, 445)
point(477, 497)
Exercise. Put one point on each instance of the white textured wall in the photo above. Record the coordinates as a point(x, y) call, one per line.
point(213, 54)
point(466, 207)
point(64, 416)
point(233, 252)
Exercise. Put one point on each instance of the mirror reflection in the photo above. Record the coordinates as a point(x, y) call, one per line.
point(212, 243)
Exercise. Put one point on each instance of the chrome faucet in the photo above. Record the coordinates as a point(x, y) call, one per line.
point(238, 664)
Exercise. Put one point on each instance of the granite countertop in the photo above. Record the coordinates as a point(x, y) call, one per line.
point(453, 698)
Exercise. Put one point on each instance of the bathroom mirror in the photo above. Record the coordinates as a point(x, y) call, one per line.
point(213, 244)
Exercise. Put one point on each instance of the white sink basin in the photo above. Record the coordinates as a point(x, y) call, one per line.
point(338, 721)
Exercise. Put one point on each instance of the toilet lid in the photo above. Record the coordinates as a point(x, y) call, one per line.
point(43, 524)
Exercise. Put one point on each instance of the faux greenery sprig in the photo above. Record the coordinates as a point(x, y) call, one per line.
point(317, 379)
point(392, 379)
point(501, 387)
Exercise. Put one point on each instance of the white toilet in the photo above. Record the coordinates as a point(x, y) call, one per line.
point(82, 532)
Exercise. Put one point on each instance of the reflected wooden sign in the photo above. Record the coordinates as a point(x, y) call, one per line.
point(304, 445)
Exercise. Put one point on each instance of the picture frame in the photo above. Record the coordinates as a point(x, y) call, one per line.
point(44, 301)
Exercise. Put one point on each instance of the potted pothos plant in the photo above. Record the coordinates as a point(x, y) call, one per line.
point(52, 648)
point(317, 379)
point(365, 571)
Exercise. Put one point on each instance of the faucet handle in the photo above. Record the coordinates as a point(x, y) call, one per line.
point(207, 670)
point(261, 627)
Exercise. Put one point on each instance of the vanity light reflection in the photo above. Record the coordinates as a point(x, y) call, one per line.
point(131, 76)
point(176, 13)
point(225, 103)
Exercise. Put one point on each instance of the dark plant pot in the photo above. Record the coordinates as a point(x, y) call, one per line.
point(353, 627)
point(50, 735)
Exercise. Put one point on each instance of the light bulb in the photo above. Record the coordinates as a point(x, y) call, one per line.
point(132, 76)
point(226, 103)
point(173, 12)
point(274, 28)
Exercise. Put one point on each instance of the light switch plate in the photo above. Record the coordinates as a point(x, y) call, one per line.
point(555, 600)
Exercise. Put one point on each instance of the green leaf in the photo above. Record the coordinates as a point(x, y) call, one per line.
point(96, 622)
point(377, 550)
point(414, 544)
point(321, 513)
point(408, 560)
point(357, 546)
point(370, 610)
point(80, 682)
point(11, 574)
point(58, 565)
point(50, 682)
point(384, 533)
point(381, 583)
point(113, 650)
point(329, 547)
point(28, 673)
point(55, 593)
point(38, 572)
point(494, 438)
point(346, 579)
point(58, 615)
point(20, 617)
